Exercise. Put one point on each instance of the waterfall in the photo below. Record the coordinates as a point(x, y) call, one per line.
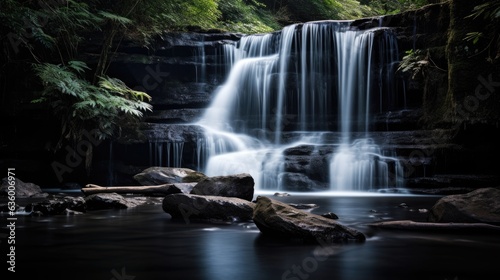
point(165, 153)
point(286, 88)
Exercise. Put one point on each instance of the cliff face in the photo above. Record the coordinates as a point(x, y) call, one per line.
point(456, 90)
point(448, 127)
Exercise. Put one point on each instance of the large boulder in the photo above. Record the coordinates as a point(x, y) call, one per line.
point(157, 175)
point(21, 189)
point(478, 206)
point(209, 208)
point(238, 185)
point(275, 218)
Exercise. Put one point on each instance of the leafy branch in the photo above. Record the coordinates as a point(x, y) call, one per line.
point(489, 12)
point(416, 62)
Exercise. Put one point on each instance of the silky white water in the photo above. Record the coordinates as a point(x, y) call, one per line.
point(308, 80)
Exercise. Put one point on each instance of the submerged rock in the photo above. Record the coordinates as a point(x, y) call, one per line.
point(206, 207)
point(279, 219)
point(479, 206)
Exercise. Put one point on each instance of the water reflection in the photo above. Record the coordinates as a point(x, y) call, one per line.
point(149, 245)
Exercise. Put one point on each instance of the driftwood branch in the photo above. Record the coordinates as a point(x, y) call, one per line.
point(157, 190)
point(456, 227)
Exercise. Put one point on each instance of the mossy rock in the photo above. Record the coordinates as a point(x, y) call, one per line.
point(194, 177)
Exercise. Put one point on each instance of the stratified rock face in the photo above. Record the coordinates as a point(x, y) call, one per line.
point(239, 185)
point(165, 175)
point(479, 206)
point(204, 207)
point(278, 219)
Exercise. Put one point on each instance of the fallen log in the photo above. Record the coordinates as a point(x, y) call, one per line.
point(426, 226)
point(158, 190)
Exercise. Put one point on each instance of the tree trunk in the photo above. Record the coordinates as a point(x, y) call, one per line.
point(109, 37)
point(158, 190)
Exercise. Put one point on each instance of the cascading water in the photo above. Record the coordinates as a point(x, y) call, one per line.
point(315, 85)
point(165, 153)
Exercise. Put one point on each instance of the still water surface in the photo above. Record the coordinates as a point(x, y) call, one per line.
point(144, 243)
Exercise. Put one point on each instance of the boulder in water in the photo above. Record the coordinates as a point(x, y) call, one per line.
point(205, 207)
point(479, 206)
point(275, 218)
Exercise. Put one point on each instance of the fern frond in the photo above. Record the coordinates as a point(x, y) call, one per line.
point(78, 66)
point(115, 18)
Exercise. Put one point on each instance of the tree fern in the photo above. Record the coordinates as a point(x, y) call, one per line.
point(83, 106)
point(115, 18)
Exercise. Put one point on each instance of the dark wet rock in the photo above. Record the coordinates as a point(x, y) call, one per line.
point(102, 201)
point(281, 194)
point(71, 186)
point(57, 205)
point(167, 175)
point(171, 133)
point(448, 184)
point(306, 167)
point(330, 215)
point(205, 207)
point(275, 218)
point(69, 212)
point(184, 187)
point(303, 206)
point(479, 206)
point(5, 207)
point(22, 189)
point(403, 205)
point(238, 185)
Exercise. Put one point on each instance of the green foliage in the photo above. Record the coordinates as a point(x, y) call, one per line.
point(249, 18)
point(489, 13)
point(115, 18)
point(387, 7)
point(49, 30)
point(153, 17)
point(473, 36)
point(83, 106)
point(416, 62)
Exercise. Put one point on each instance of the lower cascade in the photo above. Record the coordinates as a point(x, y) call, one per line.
point(297, 107)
